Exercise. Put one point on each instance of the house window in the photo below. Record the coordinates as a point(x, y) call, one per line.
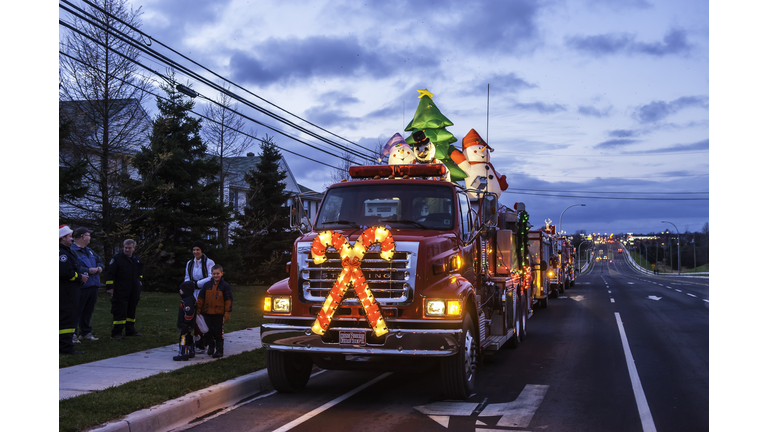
point(306, 209)
point(234, 200)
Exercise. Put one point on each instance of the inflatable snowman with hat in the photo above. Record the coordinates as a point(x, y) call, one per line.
point(424, 150)
point(481, 173)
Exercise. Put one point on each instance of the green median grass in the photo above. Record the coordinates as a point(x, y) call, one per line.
point(156, 319)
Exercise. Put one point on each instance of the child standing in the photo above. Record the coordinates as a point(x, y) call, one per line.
point(214, 303)
point(186, 322)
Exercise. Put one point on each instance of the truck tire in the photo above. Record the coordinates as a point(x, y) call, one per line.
point(288, 372)
point(459, 370)
point(514, 340)
point(568, 283)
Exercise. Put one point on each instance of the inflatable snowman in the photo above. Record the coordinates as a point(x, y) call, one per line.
point(424, 150)
point(401, 154)
point(481, 174)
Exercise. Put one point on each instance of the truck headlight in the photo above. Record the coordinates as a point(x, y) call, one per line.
point(277, 304)
point(443, 308)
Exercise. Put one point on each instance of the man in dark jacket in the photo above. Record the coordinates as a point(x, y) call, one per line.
point(69, 291)
point(89, 263)
point(124, 276)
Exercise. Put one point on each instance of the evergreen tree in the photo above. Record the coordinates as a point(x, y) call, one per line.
point(177, 198)
point(263, 236)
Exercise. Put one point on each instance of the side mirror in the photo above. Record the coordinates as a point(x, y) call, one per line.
point(489, 206)
point(298, 219)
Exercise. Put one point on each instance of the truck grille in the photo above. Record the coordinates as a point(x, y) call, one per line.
point(391, 282)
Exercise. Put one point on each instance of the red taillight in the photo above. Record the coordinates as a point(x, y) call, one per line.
point(425, 170)
point(288, 267)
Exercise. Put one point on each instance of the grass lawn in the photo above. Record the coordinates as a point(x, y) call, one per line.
point(156, 320)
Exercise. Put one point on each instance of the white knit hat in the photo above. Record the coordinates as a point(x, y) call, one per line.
point(64, 230)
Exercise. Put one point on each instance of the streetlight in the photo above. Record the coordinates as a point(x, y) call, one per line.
point(579, 252)
point(678, 245)
point(560, 223)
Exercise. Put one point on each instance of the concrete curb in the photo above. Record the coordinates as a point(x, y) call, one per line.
point(180, 412)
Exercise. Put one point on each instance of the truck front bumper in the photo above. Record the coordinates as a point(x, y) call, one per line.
point(418, 342)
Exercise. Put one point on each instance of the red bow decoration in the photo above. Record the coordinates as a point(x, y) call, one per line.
point(351, 258)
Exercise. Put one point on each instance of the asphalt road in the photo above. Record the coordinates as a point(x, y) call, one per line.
point(570, 374)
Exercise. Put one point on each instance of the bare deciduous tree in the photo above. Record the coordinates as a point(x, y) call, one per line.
point(101, 95)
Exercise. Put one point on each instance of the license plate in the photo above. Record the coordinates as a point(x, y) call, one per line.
point(347, 337)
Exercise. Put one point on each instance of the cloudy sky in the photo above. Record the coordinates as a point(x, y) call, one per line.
point(600, 102)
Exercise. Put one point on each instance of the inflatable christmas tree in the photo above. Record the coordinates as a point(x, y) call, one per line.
point(429, 119)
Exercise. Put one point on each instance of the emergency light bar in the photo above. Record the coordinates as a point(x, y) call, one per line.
point(384, 171)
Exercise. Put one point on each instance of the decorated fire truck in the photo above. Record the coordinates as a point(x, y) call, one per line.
point(562, 262)
point(400, 264)
point(543, 266)
point(411, 260)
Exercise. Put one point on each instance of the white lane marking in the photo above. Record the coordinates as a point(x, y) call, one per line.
point(677, 290)
point(669, 287)
point(517, 413)
point(577, 297)
point(646, 419)
point(520, 411)
point(654, 298)
point(630, 283)
point(330, 404)
point(609, 291)
point(612, 301)
point(691, 295)
point(706, 300)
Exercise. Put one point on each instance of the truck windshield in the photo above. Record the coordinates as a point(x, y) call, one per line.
point(406, 205)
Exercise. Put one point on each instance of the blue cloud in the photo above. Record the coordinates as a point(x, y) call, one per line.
point(702, 145)
point(624, 133)
point(320, 56)
point(540, 107)
point(614, 143)
point(594, 112)
point(658, 110)
point(674, 42)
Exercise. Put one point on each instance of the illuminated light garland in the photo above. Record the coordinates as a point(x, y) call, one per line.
point(351, 258)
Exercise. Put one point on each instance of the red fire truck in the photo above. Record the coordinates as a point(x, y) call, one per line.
point(399, 265)
point(543, 267)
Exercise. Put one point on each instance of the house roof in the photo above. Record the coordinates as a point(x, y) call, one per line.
point(238, 167)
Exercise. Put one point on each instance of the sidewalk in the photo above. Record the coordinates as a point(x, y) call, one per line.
point(99, 375)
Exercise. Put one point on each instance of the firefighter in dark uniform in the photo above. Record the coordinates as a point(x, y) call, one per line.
point(123, 277)
point(69, 291)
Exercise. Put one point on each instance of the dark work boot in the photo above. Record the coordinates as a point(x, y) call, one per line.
point(219, 349)
point(209, 341)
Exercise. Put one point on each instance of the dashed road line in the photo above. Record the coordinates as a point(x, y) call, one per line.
point(612, 301)
point(691, 295)
point(646, 419)
point(706, 300)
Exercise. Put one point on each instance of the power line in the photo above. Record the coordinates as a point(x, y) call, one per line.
point(203, 116)
point(151, 52)
point(221, 77)
point(612, 198)
point(65, 24)
point(634, 193)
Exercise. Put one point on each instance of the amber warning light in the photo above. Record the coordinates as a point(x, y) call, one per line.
point(384, 171)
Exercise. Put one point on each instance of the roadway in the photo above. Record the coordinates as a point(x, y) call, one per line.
point(570, 374)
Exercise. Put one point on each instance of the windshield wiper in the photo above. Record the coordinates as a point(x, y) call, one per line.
point(341, 222)
point(411, 222)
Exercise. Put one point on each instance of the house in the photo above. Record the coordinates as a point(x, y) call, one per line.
point(236, 188)
point(127, 126)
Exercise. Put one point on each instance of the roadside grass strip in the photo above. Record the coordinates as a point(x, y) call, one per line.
point(89, 410)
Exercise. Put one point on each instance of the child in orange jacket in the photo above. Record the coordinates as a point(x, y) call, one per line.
point(214, 303)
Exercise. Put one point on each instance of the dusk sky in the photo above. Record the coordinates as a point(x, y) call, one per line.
point(600, 102)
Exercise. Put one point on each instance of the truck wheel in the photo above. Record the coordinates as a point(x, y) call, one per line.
point(288, 372)
point(568, 283)
point(514, 341)
point(459, 370)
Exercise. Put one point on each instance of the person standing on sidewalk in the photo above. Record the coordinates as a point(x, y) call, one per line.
point(69, 291)
point(124, 276)
point(89, 263)
point(214, 303)
point(198, 271)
